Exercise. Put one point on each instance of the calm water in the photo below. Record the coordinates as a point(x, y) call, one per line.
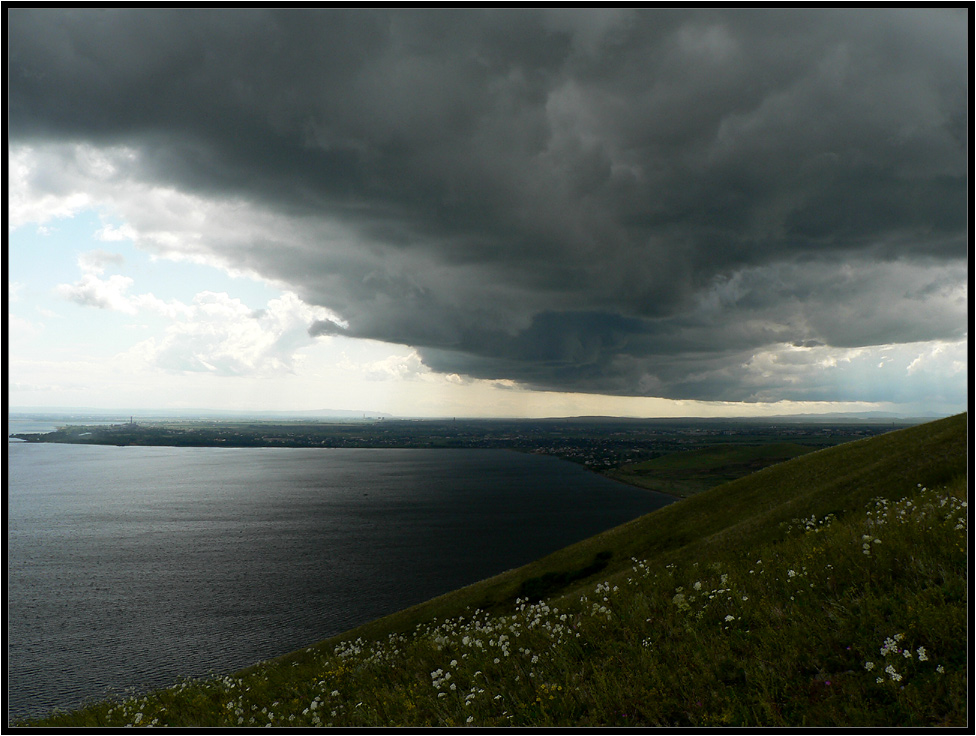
point(131, 567)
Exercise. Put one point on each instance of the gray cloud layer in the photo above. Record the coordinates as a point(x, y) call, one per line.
point(602, 200)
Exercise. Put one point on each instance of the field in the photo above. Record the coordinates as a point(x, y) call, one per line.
point(827, 590)
point(685, 473)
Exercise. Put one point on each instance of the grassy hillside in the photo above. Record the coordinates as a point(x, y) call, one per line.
point(826, 590)
point(685, 473)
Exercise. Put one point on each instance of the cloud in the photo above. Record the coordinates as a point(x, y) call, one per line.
point(110, 232)
point(214, 333)
point(222, 335)
point(94, 291)
point(616, 201)
point(324, 327)
point(96, 261)
point(396, 367)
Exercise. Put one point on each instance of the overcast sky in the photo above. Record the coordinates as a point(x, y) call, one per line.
point(504, 212)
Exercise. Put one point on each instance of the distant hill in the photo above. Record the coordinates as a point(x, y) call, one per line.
point(830, 417)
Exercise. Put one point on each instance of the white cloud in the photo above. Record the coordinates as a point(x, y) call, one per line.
point(400, 367)
point(222, 335)
point(215, 332)
point(939, 359)
point(901, 373)
point(112, 233)
point(53, 182)
point(93, 291)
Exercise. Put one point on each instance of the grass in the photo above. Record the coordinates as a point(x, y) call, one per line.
point(685, 473)
point(830, 590)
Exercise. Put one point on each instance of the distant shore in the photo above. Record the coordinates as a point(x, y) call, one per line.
point(629, 451)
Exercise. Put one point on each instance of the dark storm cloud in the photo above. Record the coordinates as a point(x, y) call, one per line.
point(598, 200)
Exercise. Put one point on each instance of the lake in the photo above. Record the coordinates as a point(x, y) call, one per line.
point(130, 567)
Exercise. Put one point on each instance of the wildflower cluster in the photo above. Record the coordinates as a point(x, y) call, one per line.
point(599, 608)
point(927, 508)
point(893, 653)
point(866, 541)
point(812, 524)
point(718, 596)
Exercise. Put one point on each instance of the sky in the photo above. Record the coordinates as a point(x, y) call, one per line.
point(718, 212)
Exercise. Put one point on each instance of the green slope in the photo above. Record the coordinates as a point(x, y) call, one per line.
point(685, 473)
point(792, 596)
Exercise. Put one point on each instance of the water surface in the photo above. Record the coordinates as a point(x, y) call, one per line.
point(129, 567)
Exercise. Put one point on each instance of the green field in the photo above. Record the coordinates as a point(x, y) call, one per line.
point(827, 590)
point(685, 473)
